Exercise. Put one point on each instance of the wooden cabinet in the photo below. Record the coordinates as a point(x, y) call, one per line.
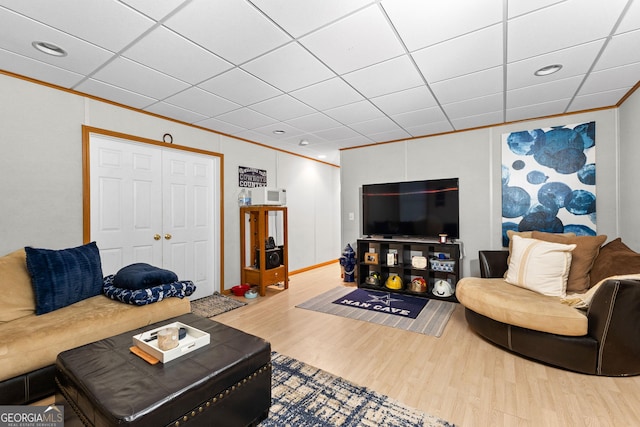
point(438, 264)
point(264, 246)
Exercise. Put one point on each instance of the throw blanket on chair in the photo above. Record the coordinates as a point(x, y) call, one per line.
point(150, 295)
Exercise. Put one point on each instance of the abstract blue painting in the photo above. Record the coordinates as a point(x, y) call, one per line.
point(549, 180)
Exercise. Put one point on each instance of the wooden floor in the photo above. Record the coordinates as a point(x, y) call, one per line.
point(458, 377)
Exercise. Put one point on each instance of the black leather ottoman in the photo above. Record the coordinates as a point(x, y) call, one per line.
point(226, 383)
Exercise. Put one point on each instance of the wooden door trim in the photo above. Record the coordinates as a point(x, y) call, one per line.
point(86, 180)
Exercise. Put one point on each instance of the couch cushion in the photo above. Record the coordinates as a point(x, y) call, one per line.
point(63, 277)
point(614, 258)
point(582, 257)
point(86, 321)
point(509, 304)
point(15, 287)
point(540, 266)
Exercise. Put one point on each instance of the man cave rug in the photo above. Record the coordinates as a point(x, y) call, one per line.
point(214, 304)
point(302, 395)
point(384, 308)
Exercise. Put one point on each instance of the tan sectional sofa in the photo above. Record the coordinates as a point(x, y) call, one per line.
point(596, 331)
point(30, 343)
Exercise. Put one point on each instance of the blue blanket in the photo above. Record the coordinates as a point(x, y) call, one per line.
point(150, 295)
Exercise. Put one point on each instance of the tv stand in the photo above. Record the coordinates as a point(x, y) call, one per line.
point(406, 260)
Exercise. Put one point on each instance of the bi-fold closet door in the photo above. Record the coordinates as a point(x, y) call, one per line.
point(156, 205)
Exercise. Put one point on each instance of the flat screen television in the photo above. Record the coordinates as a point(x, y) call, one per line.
point(423, 209)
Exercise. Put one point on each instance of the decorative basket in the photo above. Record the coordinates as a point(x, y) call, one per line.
point(442, 265)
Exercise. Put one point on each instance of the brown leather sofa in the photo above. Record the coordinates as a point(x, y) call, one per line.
point(611, 346)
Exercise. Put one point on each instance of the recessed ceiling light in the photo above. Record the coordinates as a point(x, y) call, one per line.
point(303, 142)
point(322, 156)
point(49, 48)
point(549, 69)
point(279, 132)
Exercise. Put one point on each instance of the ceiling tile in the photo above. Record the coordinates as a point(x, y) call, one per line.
point(375, 126)
point(283, 107)
point(374, 80)
point(241, 87)
point(201, 101)
point(139, 79)
point(290, 131)
point(17, 33)
point(575, 61)
point(467, 54)
point(416, 98)
point(597, 100)
point(353, 142)
point(424, 23)
point(474, 85)
point(354, 113)
point(169, 53)
point(631, 20)
point(475, 106)
point(327, 94)
point(547, 29)
point(313, 122)
point(484, 119)
point(519, 7)
point(88, 20)
point(220, 126)
point(246, 118)
point(174, 112)
point(430, 128)
point(39, 70)
point(538, 94)
point(157, 9)
point(234, 30)
point(337, 134)
point(357, 41)
point(115, 94)
point(418, 117)
point(537, 110)
point(390, 135)
point(289, 68)
point(611, 79)
point(300, 17)
point(618, 52)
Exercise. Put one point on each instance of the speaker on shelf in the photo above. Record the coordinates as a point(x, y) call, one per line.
point(273, 258)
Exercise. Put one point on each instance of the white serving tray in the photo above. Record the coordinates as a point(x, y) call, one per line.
point(194, 340)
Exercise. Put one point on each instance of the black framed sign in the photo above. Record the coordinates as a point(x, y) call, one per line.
point(251, 177)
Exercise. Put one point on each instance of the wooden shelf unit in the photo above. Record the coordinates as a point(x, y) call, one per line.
point(254, 232)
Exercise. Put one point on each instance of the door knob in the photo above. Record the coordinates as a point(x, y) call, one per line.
point(167, 236)
point(156, 237)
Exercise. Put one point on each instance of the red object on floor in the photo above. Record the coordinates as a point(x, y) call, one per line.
point(239, 290)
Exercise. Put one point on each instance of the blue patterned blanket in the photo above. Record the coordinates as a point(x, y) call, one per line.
point(180, 289)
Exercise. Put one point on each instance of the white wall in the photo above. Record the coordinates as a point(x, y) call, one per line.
point(629, 206)
point(41, 174)
point(474, 157)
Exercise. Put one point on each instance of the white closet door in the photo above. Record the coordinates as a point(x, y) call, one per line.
point(188, 217)
point(126, 197)
point(157, 206)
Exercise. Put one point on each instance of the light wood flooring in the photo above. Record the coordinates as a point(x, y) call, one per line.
point(458, 376)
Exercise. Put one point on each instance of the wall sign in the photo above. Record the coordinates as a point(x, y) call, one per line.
point(251, 177)
point(549, 180)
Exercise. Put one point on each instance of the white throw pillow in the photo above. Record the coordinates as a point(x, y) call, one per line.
point(540, 266)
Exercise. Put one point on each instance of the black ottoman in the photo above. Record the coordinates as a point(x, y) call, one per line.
point(226, 383)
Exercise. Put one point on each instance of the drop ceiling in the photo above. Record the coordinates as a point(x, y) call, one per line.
point(335, 73)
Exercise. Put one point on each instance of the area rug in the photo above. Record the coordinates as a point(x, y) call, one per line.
point(431, 321)
point(302, 395)
point(384, 302)
point(214, 304)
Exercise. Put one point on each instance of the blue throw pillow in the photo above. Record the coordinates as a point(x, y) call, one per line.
point(63, 277)
point(142, 276)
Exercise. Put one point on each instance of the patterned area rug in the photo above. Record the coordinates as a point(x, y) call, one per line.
point(302, 395)
point(431, 321)
point(214, 304)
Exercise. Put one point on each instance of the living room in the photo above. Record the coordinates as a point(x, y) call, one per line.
point(43, 174)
